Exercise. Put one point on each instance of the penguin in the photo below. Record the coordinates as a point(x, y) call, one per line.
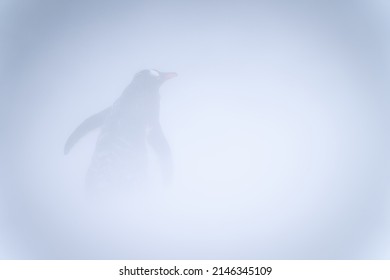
point(126, 129)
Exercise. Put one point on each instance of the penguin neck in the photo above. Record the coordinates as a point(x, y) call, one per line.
point(140, 91)
point(145, 89)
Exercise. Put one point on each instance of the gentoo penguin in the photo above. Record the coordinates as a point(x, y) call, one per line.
point(132, 122)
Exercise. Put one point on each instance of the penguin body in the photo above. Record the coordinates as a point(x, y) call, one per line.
point(127, 127)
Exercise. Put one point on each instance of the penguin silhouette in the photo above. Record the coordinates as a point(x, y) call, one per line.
point(127, 127)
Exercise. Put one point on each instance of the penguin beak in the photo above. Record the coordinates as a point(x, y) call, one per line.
point(168, 75)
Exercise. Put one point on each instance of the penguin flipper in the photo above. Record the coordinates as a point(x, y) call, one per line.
point(161, 147)
point(85, 127)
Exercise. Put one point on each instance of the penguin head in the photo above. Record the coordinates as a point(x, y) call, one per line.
point(152, 77)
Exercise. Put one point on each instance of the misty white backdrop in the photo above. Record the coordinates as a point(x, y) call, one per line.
point(278, 124)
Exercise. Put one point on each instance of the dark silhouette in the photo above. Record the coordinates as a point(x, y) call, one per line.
point(120, 157)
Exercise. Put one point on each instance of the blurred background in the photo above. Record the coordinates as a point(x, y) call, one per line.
point(278, 124)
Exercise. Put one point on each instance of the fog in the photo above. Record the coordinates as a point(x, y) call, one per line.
point(278, 124)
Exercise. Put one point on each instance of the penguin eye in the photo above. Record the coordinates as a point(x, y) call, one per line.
point(154, 73)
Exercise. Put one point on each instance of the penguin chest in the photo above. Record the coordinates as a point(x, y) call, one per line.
point(120, 156)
